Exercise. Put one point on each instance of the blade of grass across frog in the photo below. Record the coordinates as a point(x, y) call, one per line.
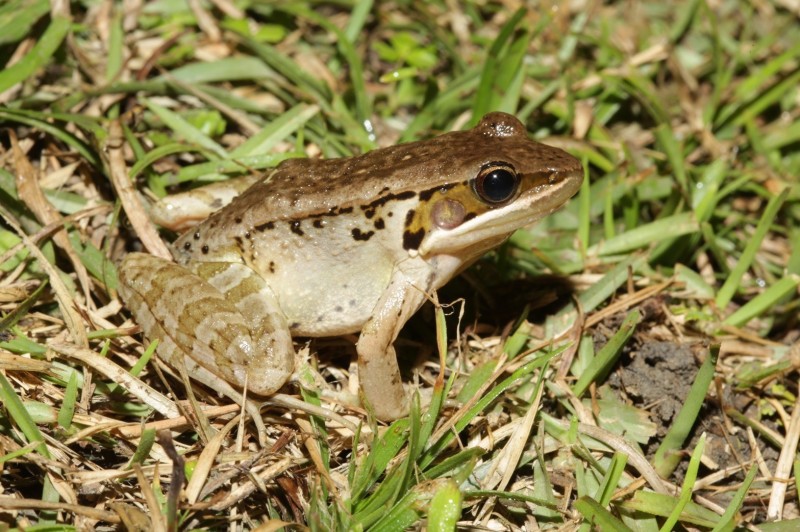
point(732, 283)
point(600, 518)
point(447, 433)
point(688, 486)
point(39, 56)
point(729, 519)
point(276, 131)
point(605, 359)
point(668, 455)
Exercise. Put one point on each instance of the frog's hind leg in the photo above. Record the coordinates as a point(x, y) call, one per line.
point(200, 324)
point(272, 362)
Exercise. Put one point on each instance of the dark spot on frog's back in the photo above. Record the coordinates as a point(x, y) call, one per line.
point(319, 224)
point(187, 246)
point(425, 195)
point(295, 227)
point(265, 226)
point(204, 249)
point(360, 235)
point(272, 266)
point(379, 224)
point(408, 194)
point(413, 239)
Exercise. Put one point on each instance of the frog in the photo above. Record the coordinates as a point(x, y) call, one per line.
point(335, 247)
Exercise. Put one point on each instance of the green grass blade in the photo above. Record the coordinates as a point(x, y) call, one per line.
point(598, 516)
point(445, 508)
point(39, 56)
point(607, 356)
point(17, 18)
point(765, 300)
point(21, 417)
point(726, 293)
point(115, 58)
point(67, 410)
point(646, 235)
point(488, 84)
point(729, 520)
point(668, 455)
point(686, 488)
point(184, 129)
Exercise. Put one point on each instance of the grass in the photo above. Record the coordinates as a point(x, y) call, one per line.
point(662, 395)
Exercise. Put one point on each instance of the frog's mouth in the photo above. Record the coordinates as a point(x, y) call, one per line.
point(456, 221)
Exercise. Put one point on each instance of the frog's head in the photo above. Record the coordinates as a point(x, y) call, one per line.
point(505, 181)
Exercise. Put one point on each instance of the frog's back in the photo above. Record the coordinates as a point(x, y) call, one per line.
point(299, 188)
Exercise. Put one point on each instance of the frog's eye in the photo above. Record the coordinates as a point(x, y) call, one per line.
point(496, 183)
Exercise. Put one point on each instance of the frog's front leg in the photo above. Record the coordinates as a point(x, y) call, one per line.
point(220, 317)
point(378, 371)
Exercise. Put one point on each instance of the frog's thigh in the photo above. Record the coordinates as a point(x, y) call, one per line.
point(193, 321)
point(271, 362)
point(378, 371)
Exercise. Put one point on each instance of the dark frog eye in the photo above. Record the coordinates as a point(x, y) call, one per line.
point(496, 183)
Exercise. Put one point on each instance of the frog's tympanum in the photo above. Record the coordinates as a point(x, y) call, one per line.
point(332, 247)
